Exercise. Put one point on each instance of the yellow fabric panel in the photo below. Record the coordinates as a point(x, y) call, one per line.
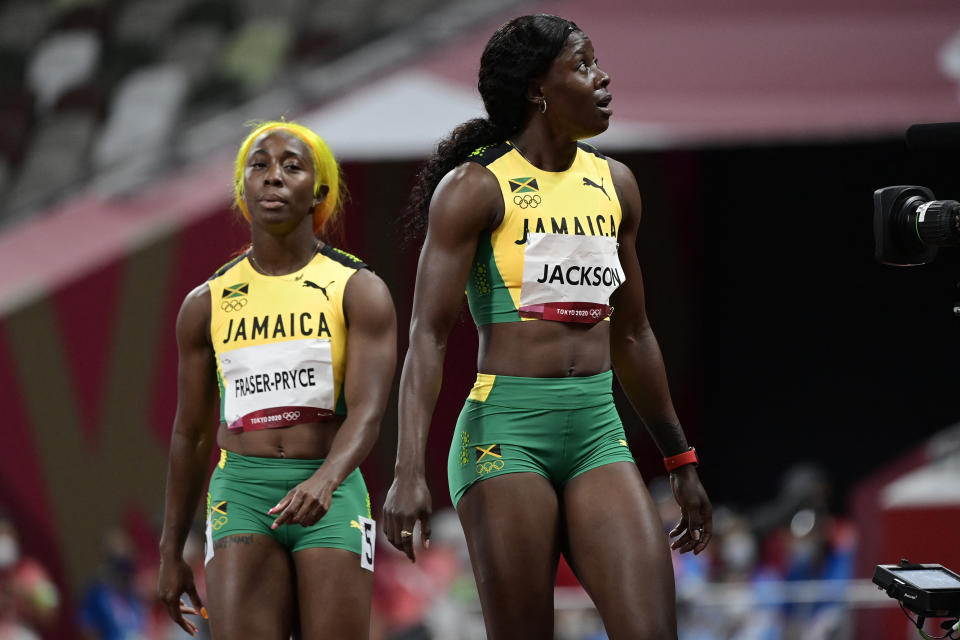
point(482, 387)
point(249, 308)
point(581, 200)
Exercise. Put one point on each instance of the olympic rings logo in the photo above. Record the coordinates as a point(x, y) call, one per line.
point(595, 313)
point(218, 522)
point(487, 467)
point(525, 201)
point(233, 304)
point(290, 415)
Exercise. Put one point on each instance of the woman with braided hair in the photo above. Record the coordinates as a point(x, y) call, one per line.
point(287, 354)
point(540, 229)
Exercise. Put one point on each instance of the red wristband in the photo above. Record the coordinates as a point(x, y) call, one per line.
point(681, 459)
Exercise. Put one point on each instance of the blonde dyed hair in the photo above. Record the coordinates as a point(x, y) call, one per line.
point(326, 171)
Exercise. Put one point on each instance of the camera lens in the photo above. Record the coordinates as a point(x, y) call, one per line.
point(938, 222)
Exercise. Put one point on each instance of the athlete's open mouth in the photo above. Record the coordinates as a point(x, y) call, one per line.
point(603, 105)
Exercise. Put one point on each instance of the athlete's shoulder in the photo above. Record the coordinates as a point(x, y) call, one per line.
point(343, 258)
point(489, 154)
point(467, 200)
point(468, 180)
point(228, 266)
point(200, 294)
point(194, 313)
point(468, 188)
point(622, 174)
point(628, 191)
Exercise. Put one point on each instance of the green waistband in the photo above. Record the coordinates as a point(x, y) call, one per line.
point(543, 393)
point(268, 468)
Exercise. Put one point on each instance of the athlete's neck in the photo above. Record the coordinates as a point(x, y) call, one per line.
point(543, 150)
point(277, 256)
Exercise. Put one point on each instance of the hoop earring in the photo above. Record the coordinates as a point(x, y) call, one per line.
point(543, 105)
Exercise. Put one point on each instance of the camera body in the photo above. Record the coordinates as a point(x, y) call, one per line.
point(909, 224)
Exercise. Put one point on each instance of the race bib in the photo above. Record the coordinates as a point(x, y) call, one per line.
point(368, 542)
point(569, 278)
point(278, 384)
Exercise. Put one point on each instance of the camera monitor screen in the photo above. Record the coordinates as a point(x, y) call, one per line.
point(929, 590)
point(928, 578)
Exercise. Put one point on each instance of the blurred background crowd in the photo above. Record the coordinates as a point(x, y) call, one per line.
point(780, 570)
point(818, 386)
point(110, 91)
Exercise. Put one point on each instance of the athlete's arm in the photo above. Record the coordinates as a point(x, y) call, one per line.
point(194, 432)
point(638, 363)
point(370, 364)
point(466, 202)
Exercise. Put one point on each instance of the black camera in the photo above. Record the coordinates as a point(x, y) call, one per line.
point(909, 225)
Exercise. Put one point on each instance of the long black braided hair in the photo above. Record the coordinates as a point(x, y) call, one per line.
point(520, 50)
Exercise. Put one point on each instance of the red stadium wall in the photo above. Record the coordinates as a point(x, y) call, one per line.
point(89, 373)
point(919, 531)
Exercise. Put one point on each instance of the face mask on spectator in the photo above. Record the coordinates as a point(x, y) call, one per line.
point(9, 551)
point(738, 551)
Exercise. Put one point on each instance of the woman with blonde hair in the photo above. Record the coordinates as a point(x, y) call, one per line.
point(287, 353)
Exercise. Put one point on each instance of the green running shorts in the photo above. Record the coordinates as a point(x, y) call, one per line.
point(244, 488)
point(556, 427)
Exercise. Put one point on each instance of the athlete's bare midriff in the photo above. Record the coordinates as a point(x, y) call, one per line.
point(544, 349)
point(307, 441)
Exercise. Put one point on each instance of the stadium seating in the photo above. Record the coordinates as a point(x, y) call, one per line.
point(96, 93)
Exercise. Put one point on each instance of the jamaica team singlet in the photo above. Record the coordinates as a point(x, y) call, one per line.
point(280, 341)
point(554, 254)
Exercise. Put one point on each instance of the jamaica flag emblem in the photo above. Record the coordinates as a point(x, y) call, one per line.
point(234, 297)
point(493, 451)
point(236, 290)
point(524, 185)
point(489, 459)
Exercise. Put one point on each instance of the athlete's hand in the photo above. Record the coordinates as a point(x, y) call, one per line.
point(176, 578)
point(307, 502)
point(695, 528)
point(408, 501)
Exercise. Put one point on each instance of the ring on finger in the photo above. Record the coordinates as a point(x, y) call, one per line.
point(406, 534)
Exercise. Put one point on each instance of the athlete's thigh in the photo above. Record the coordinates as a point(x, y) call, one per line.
point(334, 594)
point(619, 551)
point(511, 523)
point(250, 588)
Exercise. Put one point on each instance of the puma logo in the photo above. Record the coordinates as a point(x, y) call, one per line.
point(587, 182)
point(314, 285)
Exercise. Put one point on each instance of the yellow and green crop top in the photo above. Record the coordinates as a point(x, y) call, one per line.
point(280, 341)
point(554, 254)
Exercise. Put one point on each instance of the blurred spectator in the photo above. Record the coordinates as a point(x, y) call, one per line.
point(431, 598)
point(29, 600)
point(112, 607)
point(803, 541)
point(803, 486)
point(752, 617)
point(821, 547)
